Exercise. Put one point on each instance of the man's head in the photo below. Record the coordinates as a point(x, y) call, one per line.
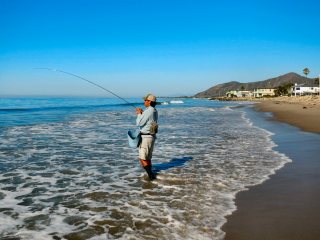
point(150, 100)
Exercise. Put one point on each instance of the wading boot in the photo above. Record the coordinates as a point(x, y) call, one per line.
point(151, 175)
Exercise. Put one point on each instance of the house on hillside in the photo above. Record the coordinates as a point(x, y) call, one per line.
point(263, 92)
point(300, 90)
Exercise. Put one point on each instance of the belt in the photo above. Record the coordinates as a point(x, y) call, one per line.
point(146, 134)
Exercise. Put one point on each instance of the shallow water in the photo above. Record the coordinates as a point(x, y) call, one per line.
point(74, 177)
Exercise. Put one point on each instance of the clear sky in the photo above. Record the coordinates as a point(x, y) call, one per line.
point(167, 47)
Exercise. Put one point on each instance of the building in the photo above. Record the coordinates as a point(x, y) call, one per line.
point(300, 90)
point(262, 92)
point(239, 94)
point(256, 93)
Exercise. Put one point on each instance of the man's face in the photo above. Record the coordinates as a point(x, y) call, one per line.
point(147, 103)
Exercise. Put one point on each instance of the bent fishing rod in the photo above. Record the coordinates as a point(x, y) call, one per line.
point(95, 84)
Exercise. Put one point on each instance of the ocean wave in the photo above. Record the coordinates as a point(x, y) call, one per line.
point(176, 102)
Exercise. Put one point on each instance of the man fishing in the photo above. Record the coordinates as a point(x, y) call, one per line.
point(147, 121)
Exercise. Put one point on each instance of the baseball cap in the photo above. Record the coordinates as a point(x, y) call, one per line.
point(150, 97)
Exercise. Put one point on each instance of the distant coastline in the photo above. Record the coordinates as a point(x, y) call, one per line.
point(222, 89)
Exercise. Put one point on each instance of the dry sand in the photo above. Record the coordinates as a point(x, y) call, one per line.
point(300, 111)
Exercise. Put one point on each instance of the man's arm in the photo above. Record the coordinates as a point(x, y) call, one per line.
point(142, 118)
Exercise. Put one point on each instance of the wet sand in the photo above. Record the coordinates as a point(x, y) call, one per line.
point(287, 205)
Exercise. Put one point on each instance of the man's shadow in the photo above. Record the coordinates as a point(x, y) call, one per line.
point(175, 162)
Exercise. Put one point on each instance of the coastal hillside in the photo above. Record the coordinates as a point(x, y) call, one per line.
point(221, 89)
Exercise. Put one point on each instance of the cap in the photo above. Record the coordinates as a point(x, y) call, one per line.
point(150, 97)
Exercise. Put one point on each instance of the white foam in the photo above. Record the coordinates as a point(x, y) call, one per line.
point(176, 102)
point(164, 103)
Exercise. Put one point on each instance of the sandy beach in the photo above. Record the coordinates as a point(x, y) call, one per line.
point(287, 205)
point(303, 112)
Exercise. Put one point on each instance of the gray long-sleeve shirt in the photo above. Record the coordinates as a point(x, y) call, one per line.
point(145, 119)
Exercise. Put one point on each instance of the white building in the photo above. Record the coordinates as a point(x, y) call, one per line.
point(262, 92)
point(239, 94)
point(303, 90)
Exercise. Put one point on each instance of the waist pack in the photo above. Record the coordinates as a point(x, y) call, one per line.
point(154, 128)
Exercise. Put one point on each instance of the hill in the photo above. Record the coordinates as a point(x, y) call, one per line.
point(222, 89)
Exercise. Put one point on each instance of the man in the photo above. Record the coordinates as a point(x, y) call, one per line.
point(147, 122)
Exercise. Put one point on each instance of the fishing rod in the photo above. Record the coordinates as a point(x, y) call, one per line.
point(95, 84)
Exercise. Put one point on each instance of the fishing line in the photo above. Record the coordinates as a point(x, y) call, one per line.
point(95, 84)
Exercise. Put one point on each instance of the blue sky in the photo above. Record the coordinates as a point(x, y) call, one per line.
point(166, 47)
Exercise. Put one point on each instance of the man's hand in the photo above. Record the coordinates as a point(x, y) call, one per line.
point(139, 111)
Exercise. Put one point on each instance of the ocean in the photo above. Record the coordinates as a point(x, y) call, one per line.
point(67, 172)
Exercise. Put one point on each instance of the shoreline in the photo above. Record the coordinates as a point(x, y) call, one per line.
point(286, 205)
